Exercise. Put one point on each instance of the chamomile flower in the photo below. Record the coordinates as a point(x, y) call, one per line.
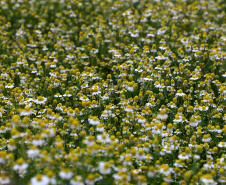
point(104, 168)
point(104, 138)
point(12, 144)
point(94, 120)
point(58, 95)
point(100, 98)
point(207, 180)
point(40, 180)
point(20, 167)
point(38, 140)
point(105, 97)
point(77, 180)
point(178, 119)
point(165, 169)
point(33, 152)
point(161, 31)
point(222, 144)
point(4, 179)
point(65, 174)
point(40, 100)
point(193, 122)
point(180, 93)
point(129, 108)
point(26, 111)
point(9, 86)
point(162, 115)
point(90, 179)
point(84, 98)
point(206, 138)
point(184, 155)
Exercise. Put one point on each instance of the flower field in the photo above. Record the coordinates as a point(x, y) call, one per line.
point(111, 92)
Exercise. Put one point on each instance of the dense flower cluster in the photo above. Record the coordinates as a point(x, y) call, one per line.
point(112, 92)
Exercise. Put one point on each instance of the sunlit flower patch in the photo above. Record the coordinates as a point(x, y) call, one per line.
point(112, 92)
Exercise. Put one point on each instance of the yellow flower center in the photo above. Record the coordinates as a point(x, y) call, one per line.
point(192, 119)
point(104, 136)
point(40, 98)
point(39, 177)
point(27, 108)
point(20, 161)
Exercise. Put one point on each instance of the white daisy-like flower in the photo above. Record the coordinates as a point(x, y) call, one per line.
point(185, 40)
point(4, 180)
point(105, 97)
point(40, 180)
point(100, 128)
point(178, 119)
point(84, 98)
point(195, 77)
point(89, 140)
point(71, 112)
point(184, 156)
point(148, 78)
point(94, 120)
point(207, 179)
point(40, 100)
point(206, 138)
point(161, 31)
point(104, 168)
point(33, 152)
point(165, 169)
point(77, 180)
point(129, 108)
point(203, 108)
point(67, 94)
point(27, 111)
point(130, 88)
point(20, 167)
point(12, 147)
point(180, 93)
point(104, 138)
point(38, 142)
point(208, 165)
point(140, 155)
point(142, 120)
point(222, 144)
point(58, 95)
point(9, 86)
point(104, 115)
point(65, 174)
point(162, 115)
point(196, 157)
point(193, 122)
